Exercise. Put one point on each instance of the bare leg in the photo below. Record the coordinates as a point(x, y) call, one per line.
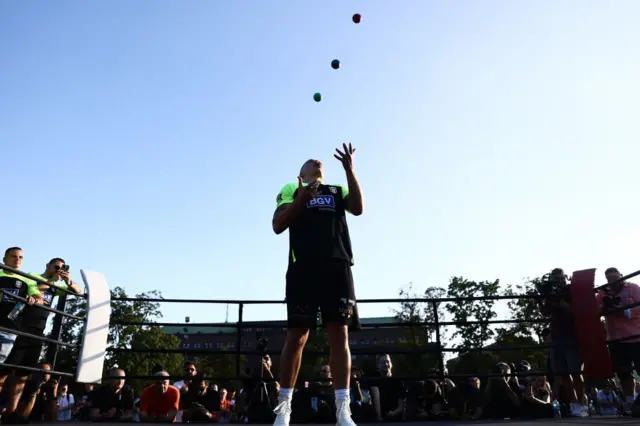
point(340, 358)
point(14, 392)
point(291, 357)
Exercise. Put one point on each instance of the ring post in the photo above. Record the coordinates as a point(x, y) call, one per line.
point(96, 329)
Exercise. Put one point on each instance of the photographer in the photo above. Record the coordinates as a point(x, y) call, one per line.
point(40, 399)
point(200, 404)
point(621, 324)
point(565, 358)
point(260, 391)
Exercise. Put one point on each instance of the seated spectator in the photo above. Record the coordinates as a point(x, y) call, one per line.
point(200, 403)
point(39, 399)
point(361, 410)
point(159, 403)
point(66, 403)
point(466, 401)
point(537, 398)
point(84, 404)
point(607, 401)
point(190, 371)
point(425, 401)
point(316, 403)
point(502, 393)
point(113, 401)
point(387, 393)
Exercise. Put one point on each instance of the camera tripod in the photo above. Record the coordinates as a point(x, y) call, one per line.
point(264, 411)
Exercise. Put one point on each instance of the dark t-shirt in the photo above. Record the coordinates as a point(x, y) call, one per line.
point(106, 397)
point(391, 389)
point(209, 400)
point(320, 232)
point(15, 285)
point(562, 324)
point(419, 397)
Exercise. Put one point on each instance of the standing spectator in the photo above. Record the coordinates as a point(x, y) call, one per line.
point(159, 402)
point(622, 324)
point(66, 403)
point(23, 287)
point(113, 401)
point(565, 358)
point(387, 393)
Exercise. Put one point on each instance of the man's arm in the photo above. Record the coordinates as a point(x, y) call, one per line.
point(287, 209)
point(354, 197)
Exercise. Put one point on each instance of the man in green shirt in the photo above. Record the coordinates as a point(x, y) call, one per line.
point(319, 275)
point(26, 350)
point(20, 286)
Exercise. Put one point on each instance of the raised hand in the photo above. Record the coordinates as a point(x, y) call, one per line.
point(307, 193)
point(346, 157)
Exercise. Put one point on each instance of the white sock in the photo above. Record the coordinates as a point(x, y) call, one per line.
point(342, 395)
point(285, 394)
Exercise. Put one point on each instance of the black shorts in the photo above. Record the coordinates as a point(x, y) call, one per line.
point(26, 351)
point(325, 286)
point(623, 355)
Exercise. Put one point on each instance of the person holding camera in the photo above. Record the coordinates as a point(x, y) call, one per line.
point(566, 362)
point(199, 402)
point(39, 401)
point(33, 320)
point(622, 323)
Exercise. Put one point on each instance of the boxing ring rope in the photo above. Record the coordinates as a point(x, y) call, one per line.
point(435, 347)
point(95, 331)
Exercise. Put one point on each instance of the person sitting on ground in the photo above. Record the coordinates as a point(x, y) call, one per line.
point(113, 401)
point(537, 398)
point(466, 401)
point(503, 395)
point(39, 399)
point(387, 392)
point(66, 403)
point(425, 401)
point(200, 403)
point(607, 401)
point(159, 403)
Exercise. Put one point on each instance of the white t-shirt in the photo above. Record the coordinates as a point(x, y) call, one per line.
point(65, 416)
point(609, 399)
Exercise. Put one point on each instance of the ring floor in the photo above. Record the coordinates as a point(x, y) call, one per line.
point(595, 421)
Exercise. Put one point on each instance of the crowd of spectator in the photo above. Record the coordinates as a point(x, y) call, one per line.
point(558, 389)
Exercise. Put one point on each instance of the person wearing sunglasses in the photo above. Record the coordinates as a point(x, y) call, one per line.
point(26, 350)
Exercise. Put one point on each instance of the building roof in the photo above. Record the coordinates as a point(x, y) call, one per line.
point(204, 329)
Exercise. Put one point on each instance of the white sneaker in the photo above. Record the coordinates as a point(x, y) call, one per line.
point(283, 413)
point(343, 413)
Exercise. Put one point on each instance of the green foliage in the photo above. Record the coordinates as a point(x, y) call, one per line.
point(418, 337)
point(526, 310)
point(476, 335)
point(125, 336)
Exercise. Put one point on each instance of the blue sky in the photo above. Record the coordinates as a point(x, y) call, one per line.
point(148, 140)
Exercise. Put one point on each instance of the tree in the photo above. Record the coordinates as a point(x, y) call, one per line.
point(434, 310)
point(531, 322)
point(420, 337)
point(463, 310)
point(125, 336)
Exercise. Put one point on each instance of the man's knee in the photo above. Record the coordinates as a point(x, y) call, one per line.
point(338, 334)
point(297, 337)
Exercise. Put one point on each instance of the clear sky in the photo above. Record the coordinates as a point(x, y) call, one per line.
point(148, 139)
